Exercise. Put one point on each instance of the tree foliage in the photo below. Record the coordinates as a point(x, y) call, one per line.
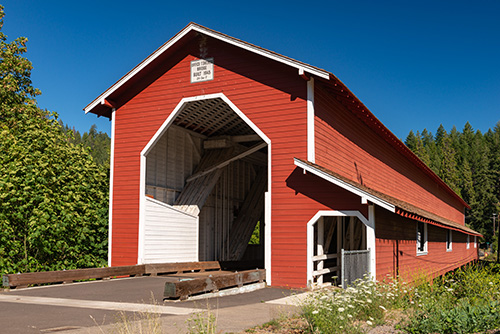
point(98, 143)
point(53, 194)
point(469, 162)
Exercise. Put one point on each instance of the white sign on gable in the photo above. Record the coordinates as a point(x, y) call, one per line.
point(202, 70)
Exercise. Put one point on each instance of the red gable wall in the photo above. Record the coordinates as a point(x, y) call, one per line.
point(348, 146)
point(272, 96)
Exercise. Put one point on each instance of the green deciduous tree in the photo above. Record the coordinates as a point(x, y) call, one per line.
point(53, 196)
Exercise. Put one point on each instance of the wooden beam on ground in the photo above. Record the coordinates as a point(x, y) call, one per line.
point(185, 288)
point(179, 267)
point(25, 279)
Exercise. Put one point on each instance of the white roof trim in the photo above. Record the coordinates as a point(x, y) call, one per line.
point(349, 187)
point(216, 35)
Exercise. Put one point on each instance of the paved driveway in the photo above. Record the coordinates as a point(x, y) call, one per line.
point(96, 307)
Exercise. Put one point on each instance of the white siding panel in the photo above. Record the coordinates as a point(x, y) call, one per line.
point(170, 235)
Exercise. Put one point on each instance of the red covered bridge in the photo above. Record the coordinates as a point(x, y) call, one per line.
point(211, 135)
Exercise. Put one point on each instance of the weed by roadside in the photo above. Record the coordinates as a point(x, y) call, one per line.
point(204, 322)
point(138, 323)
point(355, 309)
point(466, 300)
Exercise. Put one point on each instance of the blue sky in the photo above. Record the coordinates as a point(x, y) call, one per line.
point(415, 65)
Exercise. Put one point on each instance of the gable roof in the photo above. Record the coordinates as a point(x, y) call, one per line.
point(103, 104)
point(189, 32)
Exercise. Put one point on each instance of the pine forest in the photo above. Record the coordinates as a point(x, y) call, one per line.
point(469, 162)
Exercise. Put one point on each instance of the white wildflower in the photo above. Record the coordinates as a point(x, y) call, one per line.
point(341, 309)
point(315, 312)
point(383, 308)
point(369, 300)
point(369, 322)
point(349, 316)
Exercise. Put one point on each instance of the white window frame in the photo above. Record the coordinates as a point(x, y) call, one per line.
point(425, 241)
point(449, 241)
point(475, 242)
point(468, 241)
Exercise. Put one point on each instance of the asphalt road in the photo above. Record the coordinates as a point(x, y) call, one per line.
point(101, 306)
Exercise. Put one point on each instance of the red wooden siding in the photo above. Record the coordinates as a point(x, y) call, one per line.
point(396, 249)
point(346, 145)
point(273, 97)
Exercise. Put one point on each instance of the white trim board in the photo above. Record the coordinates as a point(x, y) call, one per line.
point(111, 182)
point(311, 156)
point(214, 34)
point(365, 196)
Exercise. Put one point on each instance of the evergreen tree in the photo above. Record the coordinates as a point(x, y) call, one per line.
point(420, 150)
point(483, 185)
point(98, 143)
point(411, 141)
point(432, 151)
point(440, 135)
point(448, 171)
point(493, 138)
point(469, 162)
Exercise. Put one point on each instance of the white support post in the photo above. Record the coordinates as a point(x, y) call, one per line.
point(370, 241)
point(351, 233)
point(111, 174)
point(310, 120)
point(320, 250)
point(267, 235)
point(310, 253)
point(340, 239)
